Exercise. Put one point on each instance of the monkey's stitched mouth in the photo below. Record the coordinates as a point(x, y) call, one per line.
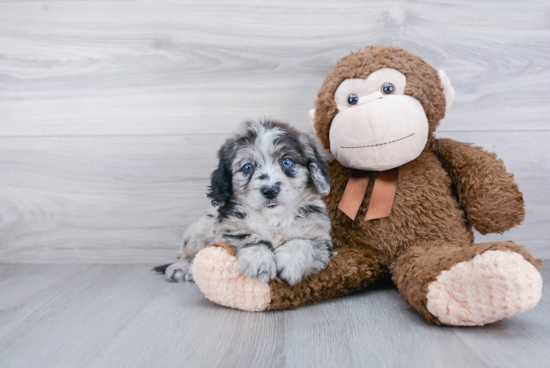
point(380, 144)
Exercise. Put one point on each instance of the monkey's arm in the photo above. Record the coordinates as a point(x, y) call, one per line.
point(349, 271)
point(487, 192)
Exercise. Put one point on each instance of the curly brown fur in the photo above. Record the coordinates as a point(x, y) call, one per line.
point(351, 270)
point(424, 208)
point(440, 195)
point(493, 203)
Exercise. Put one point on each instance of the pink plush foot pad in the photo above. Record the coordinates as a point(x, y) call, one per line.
point(492, 286)
point(216, 273)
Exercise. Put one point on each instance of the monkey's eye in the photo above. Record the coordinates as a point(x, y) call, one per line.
point(247, 168)
point(388, 88)
point(287, 163)
point(352, 99)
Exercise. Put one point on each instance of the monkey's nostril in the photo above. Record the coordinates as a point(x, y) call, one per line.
point(269, 192)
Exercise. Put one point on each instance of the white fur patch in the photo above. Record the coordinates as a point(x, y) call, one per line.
point(492, 286)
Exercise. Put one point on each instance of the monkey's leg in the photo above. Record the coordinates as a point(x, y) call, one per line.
point(468, 284)
point(218, 277)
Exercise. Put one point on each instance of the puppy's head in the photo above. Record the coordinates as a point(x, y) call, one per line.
point(268, 167)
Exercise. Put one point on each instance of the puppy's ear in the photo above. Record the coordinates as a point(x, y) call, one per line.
point(318, 168)
point(221, 184)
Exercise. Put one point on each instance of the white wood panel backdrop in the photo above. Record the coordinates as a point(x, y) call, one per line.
point(111, 111)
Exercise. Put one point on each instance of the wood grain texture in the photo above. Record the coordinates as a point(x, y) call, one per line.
point(126, 316)
point(180, 67)
point(111, 111)
point(121, 199)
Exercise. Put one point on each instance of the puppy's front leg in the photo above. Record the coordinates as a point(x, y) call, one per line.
point(299, 258)
point(255, 256)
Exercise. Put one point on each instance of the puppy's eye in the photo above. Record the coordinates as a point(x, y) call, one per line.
point(287, 163)
point(247, 168)
point(388, 88)
point(352, 99)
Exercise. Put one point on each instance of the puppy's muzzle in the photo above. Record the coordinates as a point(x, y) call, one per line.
point(270, 192)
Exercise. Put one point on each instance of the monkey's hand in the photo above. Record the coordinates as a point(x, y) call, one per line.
point(486, 191)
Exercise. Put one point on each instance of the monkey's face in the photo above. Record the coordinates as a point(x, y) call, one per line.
point(377, 127)
point(379, 107)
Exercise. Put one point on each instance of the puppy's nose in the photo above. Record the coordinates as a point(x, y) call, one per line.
point(269, 192)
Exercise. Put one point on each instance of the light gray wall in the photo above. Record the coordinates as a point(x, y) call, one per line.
point(111, 111)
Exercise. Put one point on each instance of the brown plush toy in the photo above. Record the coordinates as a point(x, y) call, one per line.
point(402, 204)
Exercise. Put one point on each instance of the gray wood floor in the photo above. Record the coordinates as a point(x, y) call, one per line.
point(126, 316)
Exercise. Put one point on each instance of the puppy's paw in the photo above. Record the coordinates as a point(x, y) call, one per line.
point(301, 258)
point(180, 271)
point(258, 262)
point(290, 266)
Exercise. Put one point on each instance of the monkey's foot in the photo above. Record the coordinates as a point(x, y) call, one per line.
point(493, 285)
point(217, 275)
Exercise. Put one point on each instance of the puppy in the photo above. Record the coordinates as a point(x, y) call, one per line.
point(266, 197)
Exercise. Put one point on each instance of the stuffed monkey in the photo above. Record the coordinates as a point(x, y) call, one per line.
point(402, 203)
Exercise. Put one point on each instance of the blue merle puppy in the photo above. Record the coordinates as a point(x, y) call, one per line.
point(266, 197)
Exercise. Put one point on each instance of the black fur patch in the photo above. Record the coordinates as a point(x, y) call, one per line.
point(322, 243)
point(261, 242)
point(239, 215)
point(248, 179)
point(289, 146)
point(316, 161)
point(247, 139)
point(312, 209)
point(236, 236)
point(289, 171)
point(308, 210)
point(221, 184)
point(161, 269)
point(229, 209)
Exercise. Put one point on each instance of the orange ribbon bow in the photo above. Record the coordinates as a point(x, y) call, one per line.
point(383, 194)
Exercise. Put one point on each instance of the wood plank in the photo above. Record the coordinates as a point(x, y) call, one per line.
point(181, 327)
point(128, 199)
point(76, 315)
point(184, 67)
point(112, 316)
point(25, 290)
point(100, 199)
point(374, 328)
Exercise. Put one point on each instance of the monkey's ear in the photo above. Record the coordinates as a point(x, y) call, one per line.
point(317, 166)
point(448, 89)
point(221, 184)
point(311, 114)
